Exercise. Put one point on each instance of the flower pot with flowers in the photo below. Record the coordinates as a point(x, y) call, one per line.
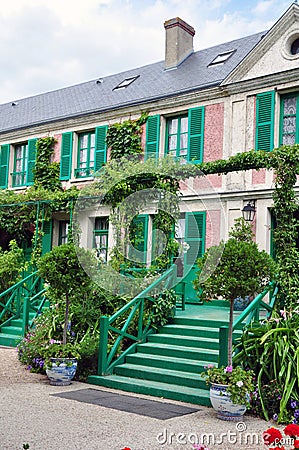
point(229, 390)
point(62, 269)
point(226, 271)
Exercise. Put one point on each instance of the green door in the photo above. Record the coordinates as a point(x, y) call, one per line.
point(195, 229)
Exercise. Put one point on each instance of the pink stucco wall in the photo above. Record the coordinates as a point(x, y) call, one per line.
point(57, 147)
point(213, 135)
point(259, 176)
point(213, 225)
point(213, 144)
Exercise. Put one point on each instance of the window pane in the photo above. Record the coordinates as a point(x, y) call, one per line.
point(289, 106)
point(184, 124)
point(173, 126)
point(92, 139)
point(83, 156)
point(83, 141)
point(183, 142)
point(289, 125)
point(288, 139)
point(172, 143)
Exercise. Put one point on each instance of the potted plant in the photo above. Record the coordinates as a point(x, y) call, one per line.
point(229, 390)
point(61, 269)
point(242, 270)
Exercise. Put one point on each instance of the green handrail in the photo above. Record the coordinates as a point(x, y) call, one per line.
point(20, 299)
point(251, 313)
point(109, 358)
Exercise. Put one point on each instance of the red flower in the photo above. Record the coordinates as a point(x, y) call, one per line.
point(126, 448)
point(292, 430)
point(272, 436)
point(296, 443)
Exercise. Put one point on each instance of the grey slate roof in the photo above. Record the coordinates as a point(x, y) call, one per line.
point(153, 83)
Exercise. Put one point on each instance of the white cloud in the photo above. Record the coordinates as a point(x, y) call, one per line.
point(46, 45)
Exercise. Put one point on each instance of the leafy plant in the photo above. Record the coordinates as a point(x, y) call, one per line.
point(62, 270)
point(270, 349)
point(239, 382)
point(46, 173)
point(163, 308)
point(124, 138)
point(11, 264)
point(243, 270)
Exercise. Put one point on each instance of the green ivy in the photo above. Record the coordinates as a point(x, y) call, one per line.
point(124, 138)
point(46, 173)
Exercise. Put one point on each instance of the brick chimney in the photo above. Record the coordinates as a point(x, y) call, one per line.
point(179, 42)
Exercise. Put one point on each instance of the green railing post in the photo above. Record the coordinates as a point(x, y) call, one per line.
point(223, 345)
point(102, 363)
point(140, 320)
point(26, 308)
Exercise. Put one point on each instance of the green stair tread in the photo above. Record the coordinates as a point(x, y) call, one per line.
point(182, 338)
point(169, 359)
point(176, 347)
point(11, 330)
point(194, 328)
point(155, 388)
point(161, 371)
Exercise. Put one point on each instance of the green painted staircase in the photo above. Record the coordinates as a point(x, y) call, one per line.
point(169, 364)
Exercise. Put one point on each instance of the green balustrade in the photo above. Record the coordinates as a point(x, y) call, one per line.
point(111, 355)
point(20, 299)
point(257, 310)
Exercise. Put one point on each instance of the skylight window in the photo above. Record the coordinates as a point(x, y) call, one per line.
point(125, 83)
point(221, 58)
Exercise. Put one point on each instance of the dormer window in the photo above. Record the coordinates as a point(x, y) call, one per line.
point(221, 58)
point(125, 83)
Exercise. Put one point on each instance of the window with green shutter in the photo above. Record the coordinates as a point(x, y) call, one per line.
point(86, 154)
point(24, 161)
point(66, 156)
point(289, 119)
point(185, 135)
point(152, 137)
point(4, 162)
point(264, 134)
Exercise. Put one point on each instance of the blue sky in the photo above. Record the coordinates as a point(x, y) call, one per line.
point(46, 45)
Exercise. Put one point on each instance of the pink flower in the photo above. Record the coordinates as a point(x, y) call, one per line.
point(228, 369)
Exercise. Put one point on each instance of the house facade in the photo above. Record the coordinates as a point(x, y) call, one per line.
point(202, 106)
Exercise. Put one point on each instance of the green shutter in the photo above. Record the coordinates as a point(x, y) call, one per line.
point(196, 123)
point(100, 147)
point(4, 161)
point(47, 237)
point(152, 137)
point(264, 133)
point(138, 236)
point(31, 161)
point(195, 236)
point(66, 156)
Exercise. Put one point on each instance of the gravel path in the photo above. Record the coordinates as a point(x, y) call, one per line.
point(29, 413)
point(11, 371)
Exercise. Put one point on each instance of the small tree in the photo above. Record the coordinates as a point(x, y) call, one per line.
point(61, 268)
point(242, 270)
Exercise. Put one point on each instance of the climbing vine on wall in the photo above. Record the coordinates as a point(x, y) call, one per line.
point(46, 172)
point(124, 138)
